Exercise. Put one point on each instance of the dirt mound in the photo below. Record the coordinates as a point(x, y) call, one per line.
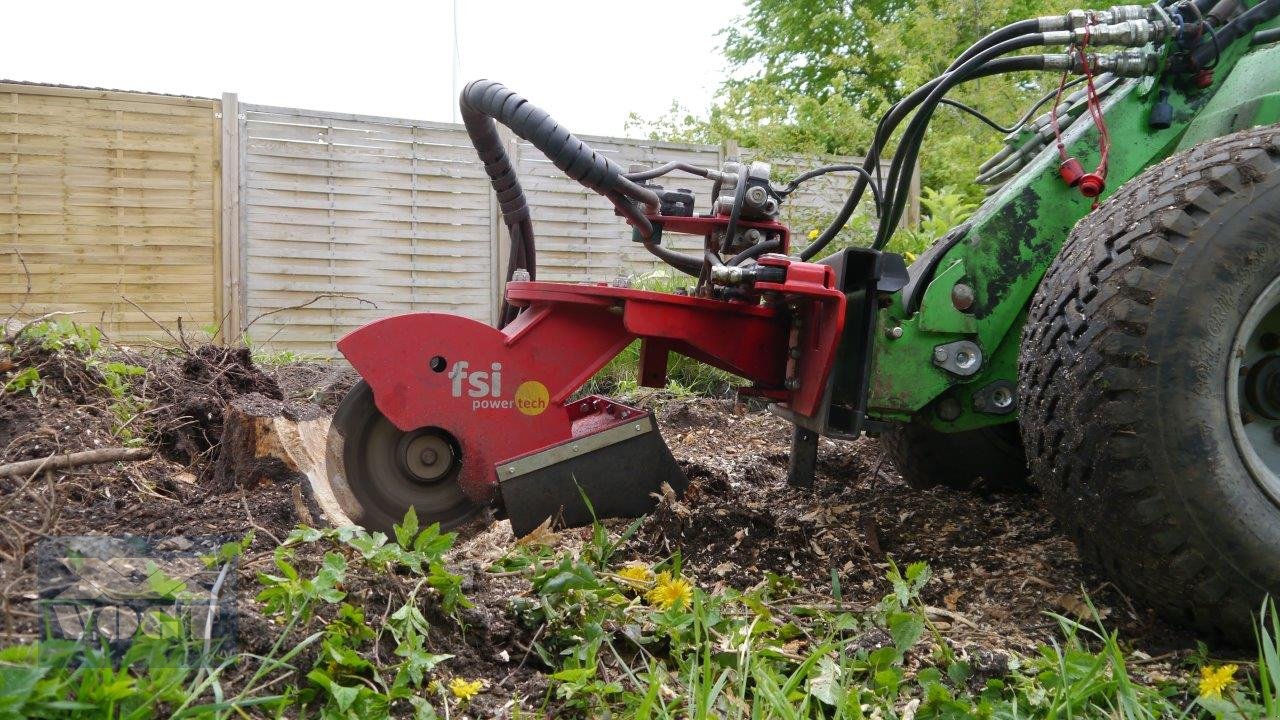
point(1000, 562)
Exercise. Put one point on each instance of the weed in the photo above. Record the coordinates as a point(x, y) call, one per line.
point(25, 380)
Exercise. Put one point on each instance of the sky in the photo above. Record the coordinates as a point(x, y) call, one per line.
point(589, 64)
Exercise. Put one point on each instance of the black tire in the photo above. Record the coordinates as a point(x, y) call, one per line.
point(989, 457)
point(1123, 384)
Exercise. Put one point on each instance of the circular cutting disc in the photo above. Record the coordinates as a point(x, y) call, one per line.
point(384, 471)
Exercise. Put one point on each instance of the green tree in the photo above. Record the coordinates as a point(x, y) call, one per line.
point(814, 76)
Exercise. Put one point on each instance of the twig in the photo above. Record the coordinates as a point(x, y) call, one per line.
point(312, 301)
point(253, 523)
point(75, 459)
point(166, 330)
point(26, 296)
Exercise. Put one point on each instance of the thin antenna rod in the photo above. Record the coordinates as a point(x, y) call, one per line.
point(457, 60)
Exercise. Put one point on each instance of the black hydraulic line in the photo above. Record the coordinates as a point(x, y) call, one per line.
point(735, 212)
point(661, 170)
point(890, 121)
point(913, 137)
point(1008, 32)
point(811, 174)
point(754, 251)
point(1265, 37)
point(970, 110)
point(1242, 25)
point(483, 104)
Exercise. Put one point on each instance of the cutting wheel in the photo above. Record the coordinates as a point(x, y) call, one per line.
point(385, 470)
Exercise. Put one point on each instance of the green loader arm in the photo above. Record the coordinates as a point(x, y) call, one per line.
point(946, 351)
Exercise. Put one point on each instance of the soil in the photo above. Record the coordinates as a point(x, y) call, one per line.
point(999, 563)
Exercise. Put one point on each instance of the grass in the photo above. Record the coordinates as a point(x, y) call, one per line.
point(629, 640)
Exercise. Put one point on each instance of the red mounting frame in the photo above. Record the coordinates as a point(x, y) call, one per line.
point(504, 393)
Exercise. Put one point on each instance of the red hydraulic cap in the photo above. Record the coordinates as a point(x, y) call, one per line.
point(1202, 79)
point(1072, 171)
point(1091, 185)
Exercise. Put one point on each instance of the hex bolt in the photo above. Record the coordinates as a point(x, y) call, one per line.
point(756, 195)
point(940, 355)
point(894, 332)
point(1002, 398)
point(962, 297)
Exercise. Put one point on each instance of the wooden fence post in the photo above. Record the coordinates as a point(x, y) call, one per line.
point(232, 280)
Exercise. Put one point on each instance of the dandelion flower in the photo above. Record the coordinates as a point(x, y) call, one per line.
point(813, 233)
point(465, 689)
point(1214, 680)
point(669, 592)
point(636, 573)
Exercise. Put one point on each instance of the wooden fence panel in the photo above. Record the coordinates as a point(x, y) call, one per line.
point(106, 196)
point(296, 225)
point(375, 216)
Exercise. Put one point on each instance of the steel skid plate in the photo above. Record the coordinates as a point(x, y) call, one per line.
point(615, 466)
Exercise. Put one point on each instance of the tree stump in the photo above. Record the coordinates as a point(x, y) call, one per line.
point(267, 441)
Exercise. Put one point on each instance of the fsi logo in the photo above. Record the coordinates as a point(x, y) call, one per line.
point(479, 384)
point(484, 387)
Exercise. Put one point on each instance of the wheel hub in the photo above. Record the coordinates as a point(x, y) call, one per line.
point(1253, 390)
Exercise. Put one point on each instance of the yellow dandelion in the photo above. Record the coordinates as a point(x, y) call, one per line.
point(813, 233)
point(636, 573)
point(669, 592)
point(465, 689)
point(1214, 680)
point(910, 256)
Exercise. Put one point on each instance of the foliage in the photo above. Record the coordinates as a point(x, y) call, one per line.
point(82, 346)
point(814, 76)
point(614, 648)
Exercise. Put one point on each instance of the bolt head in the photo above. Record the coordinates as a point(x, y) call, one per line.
point(940, 354)
point(962, 297)
point(894, 332)
point(1002, 398)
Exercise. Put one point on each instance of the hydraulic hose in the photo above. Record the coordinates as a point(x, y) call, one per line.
point(886, 127)
point(914, 135)
point(1008, 32)
point(484, 103)
point(1242, 25)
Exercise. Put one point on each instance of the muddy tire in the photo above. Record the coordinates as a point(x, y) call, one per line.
point(989, 457)
point(1132, 380)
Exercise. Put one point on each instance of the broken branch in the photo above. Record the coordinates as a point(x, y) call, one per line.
point(75, 459)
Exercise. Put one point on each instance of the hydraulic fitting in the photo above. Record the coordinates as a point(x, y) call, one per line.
point(1131, 33)
point(1127, 63)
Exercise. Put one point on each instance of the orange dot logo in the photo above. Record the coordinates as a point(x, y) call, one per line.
point(532, 397)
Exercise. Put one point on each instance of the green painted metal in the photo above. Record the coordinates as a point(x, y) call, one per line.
point(1017, 233)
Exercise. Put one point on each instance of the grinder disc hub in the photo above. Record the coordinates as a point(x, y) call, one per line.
point(427, 455)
